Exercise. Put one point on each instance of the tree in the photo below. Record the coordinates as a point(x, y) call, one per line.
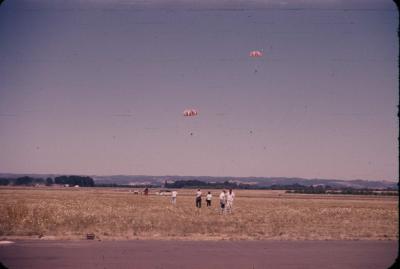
point(4, 182)
point(75, 180)
point(49, 181)
point(28, 181)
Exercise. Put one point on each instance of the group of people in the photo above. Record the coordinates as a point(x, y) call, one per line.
point(225, 199)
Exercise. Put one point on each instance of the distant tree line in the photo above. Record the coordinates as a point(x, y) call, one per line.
point(137, 186)
point(4, 181)
point(85, 181)
point(22, 181)
point(190, 184)
point(292, 188)
point(344, 190)
point(81, 181)
point(75, 180)
point(229, 185)
point(109, 185)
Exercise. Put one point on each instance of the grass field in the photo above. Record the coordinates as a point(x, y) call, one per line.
point(70, 213)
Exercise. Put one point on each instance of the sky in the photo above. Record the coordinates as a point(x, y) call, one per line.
point(99, 87)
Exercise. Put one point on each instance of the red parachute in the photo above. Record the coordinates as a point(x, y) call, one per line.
point(256, 53)
point(189, 112)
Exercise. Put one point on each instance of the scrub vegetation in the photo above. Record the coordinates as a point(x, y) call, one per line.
point(71, 213)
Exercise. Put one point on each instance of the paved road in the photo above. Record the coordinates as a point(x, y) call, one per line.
point(195, 255)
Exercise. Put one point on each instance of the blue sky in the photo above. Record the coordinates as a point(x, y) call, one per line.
point(98, 87)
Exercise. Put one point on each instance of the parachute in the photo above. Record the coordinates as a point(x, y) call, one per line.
point(256, 53)
point(189, 112)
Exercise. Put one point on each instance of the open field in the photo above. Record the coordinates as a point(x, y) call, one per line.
point(70, 213)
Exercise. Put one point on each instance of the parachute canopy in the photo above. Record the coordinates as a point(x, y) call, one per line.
point(189, 112)
point(256, 53)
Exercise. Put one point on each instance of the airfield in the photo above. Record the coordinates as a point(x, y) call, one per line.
point(112, 213)
point(267, 229)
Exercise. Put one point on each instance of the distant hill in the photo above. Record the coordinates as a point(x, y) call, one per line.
point(256, 181)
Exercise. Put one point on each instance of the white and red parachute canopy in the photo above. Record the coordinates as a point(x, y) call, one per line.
point(190, 112)
point(256, 53)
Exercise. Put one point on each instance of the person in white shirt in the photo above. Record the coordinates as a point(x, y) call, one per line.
point(173, 197)
point(229, 201)
point(222, 200)
point(198, 198)
point(208, 199)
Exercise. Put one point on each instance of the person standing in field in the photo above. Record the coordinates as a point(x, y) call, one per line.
point(198, 198)
point(173, 197)
point(208, 199)
point(229, 201)
point(222, 201)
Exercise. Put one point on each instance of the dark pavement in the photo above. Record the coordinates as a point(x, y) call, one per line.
point(198, 254)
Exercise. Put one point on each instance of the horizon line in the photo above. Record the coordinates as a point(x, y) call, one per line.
point(256, 177)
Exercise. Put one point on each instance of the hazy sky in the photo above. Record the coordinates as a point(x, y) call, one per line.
point(99, 87)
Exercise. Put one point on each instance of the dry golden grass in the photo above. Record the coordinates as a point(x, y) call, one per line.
point(119, 214)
